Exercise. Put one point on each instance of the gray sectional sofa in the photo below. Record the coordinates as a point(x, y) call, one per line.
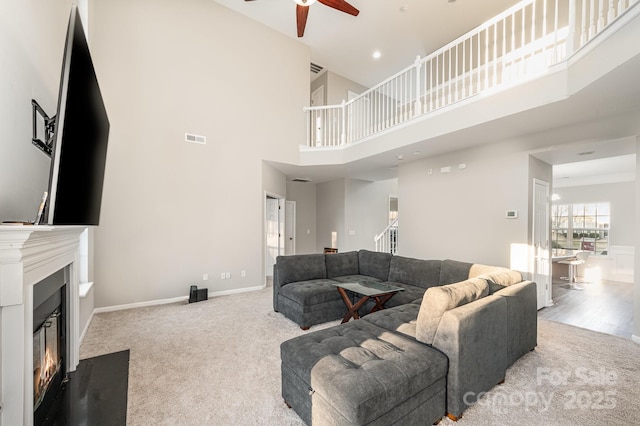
point(304, 291)
point(442, 342)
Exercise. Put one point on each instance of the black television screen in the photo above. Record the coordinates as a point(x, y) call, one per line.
point(80, 139)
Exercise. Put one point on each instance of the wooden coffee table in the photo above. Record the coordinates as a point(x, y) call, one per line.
point(379, 292)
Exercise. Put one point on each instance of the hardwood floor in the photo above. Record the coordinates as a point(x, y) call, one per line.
point(605, 306)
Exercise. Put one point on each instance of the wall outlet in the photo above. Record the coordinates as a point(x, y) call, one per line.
point(222, 275)
point(205, 277)
point(227, 275)
point(243, 273)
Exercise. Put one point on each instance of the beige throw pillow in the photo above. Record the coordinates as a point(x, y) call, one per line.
point(438, 300)
point(498, 277)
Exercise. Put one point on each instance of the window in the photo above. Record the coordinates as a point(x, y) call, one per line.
point(581, 226)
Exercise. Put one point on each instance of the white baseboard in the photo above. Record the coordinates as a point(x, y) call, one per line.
point(86, 327)
point(172, 300)
point(237, 291)
point(140, 304)
point(635, 338)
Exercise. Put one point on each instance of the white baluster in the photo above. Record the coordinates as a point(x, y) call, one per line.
point(418, 104)
point(522, 68)
point(437, 85)
point(601, 21)
point(513, 45)
point(455, 74)
point(583, 29)
point(464, 69)
point(544, 61)
point(533, 34)
point(504, 49)
point(486, 58)
point(571, 36)
point(430, 85)
point(449, 79)
point(611, 14)
point(307, 116)
point(343, 133)
point(592, 19)
point(555, 34)
point(478, 65)
point(494, 59)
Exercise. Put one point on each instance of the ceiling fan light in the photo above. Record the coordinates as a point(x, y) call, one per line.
point(305, 2)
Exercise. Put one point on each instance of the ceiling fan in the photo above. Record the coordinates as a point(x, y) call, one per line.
point(302, 10)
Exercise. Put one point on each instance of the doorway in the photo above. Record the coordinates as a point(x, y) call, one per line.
point(274, 231)
point(393, 208)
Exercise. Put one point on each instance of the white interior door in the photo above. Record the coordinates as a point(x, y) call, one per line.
point(541, 246)
point(274, 219)
point(290, 227)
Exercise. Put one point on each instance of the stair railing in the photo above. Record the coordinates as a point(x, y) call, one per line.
point(387, 240)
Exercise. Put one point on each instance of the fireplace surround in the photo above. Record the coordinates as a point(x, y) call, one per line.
point(28, 255)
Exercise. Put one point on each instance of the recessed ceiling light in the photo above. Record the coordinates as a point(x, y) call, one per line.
point(376, 54)
point(404, 8)
point(400, 157)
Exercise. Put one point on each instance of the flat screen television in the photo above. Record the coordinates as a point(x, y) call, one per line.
point(80, 138)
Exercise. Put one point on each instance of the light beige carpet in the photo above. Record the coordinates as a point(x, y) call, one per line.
point(217, 362)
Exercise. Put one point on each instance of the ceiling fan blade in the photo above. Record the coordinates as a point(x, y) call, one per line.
point(301, 18)
point(341, 5)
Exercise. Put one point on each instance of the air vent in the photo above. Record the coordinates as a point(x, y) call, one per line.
point(305, 180)
point(189, 137)
point(315, 68)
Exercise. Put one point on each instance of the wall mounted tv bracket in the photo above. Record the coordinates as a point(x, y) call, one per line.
point(45, 146)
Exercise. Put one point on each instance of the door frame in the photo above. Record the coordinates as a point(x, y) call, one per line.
point(281, 200)
point(546, 290)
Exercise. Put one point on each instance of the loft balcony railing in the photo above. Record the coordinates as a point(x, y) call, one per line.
point(519, 44)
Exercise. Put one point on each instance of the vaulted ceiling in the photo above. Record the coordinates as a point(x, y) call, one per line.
point(401, 30)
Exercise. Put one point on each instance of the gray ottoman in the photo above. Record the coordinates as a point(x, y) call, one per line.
point(358, 373)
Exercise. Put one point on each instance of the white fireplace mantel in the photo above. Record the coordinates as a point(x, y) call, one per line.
point(29, 254)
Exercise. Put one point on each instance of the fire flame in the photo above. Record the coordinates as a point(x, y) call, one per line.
point(43, 375)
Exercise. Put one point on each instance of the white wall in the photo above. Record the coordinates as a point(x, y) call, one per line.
point(330, 216)
point(173, 211)
point(366, 211)
point(461, 215)
point(304, 194)
point(636, 290)
point(356, 209)
point(31, 49)
point(338, 88)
